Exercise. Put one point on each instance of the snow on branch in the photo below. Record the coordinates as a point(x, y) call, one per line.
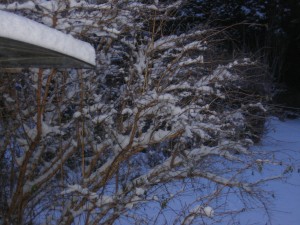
point(163, 114)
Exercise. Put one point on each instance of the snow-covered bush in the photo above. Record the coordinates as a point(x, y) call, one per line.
point(161, 117)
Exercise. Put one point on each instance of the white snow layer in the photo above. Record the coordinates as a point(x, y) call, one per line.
point(22, 29)
point(206, 211)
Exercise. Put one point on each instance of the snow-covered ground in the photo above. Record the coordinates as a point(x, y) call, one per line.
point(284, 138)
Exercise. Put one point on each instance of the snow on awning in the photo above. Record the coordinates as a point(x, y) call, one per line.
point(26, 43)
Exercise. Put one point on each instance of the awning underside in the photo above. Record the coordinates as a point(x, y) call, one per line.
point(19, 54)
